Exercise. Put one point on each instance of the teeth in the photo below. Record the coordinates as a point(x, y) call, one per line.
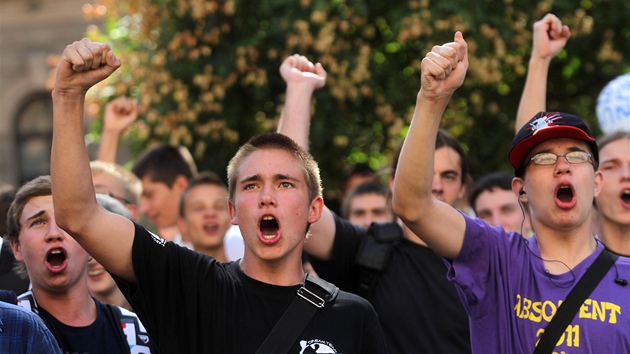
point(564, 187)
point(268, 217)
point(55, 252)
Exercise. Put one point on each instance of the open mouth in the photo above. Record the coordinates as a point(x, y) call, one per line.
point(565, 194)
point(56, 258)
point(210, 228)
point(625, 197)
point(269, 227)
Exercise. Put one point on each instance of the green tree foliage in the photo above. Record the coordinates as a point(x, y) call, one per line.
point(206, 72)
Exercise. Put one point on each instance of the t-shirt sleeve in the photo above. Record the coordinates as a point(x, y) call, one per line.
point(484, 263)
point(173, 284)
point(340, 269)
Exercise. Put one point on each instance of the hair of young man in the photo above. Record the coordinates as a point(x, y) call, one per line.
point(364, 189)
point(489, 182)
point(357, 169)
point(280, 142)
point(202, 179)
point(38, 187)
point(130, 184)
point(444, 139)
point(612, 137)
point(163, 163)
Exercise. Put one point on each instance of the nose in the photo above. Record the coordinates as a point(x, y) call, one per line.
point(266, 199)
point(436, 186)
point(625, 172)
point(55, 233)
point(562, 165)
point(144, 206)
point(495, 220)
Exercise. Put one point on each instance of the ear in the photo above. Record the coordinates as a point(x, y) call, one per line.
point(233, 218)
point(462, 192)
point(315, 210)
point(599, 182)
point(181, 182)
point(517, 186)
point(15, 247)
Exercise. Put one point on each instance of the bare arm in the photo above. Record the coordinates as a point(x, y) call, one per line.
point(106, 236)
point(549, 37)
point(303, 78)
point(119, 115)
point(443, 71)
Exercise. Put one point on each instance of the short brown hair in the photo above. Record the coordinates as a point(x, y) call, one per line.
point(280, 142)
point(40, 186)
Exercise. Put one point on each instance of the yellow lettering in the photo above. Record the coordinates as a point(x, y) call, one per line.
point(517, 307)
point(573, 339)
point(548, 313)
point(535, 314)
point(527, 304)
point(614, 310)
point(584, 310)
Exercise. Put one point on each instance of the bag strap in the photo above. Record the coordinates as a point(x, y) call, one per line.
point(374, 254)
point(570, 306)
point(299, 313)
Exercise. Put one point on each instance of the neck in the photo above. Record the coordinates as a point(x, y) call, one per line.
point(284, 272)
point(217, 253)
point(74, 307)
point(615, 236)
point(168, 233)
point(570, 251)
point(114, 297)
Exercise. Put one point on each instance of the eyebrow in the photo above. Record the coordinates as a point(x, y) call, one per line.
point(276, 177)
point(449, 172)
point(36, 215)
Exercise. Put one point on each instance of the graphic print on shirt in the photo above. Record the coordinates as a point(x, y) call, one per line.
point(543, 311)
point(316, 346)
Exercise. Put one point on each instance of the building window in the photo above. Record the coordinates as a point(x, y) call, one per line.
point(33, 133)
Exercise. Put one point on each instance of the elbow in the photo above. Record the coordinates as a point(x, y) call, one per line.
point(403, 209)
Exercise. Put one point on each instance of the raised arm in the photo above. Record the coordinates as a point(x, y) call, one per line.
point(106, 236)
point(120, 113)
point(442, 227)
point(303, 78)
point(549, 37)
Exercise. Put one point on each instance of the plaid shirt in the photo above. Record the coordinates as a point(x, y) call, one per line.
point(22, 331)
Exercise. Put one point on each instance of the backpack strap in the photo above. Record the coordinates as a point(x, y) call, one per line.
point(27, 301)
point(313, 295)
point(572, 303)
point(374, 254)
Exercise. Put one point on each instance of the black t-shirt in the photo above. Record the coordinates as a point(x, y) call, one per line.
point(419, 309)
point(192, 304)
point(102, 336)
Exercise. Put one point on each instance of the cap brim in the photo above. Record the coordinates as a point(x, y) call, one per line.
point(518, 152)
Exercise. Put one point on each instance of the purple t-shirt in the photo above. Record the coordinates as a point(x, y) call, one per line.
point(510, 298)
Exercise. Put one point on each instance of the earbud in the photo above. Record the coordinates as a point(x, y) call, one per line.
point(621, 282)
point(521, 192)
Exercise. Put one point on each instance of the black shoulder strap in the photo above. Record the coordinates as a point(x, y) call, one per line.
point(374, 255)
point(117, 316)
point(570, 306)
point(312, 296)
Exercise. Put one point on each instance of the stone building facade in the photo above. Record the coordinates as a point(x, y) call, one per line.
point(31, 31)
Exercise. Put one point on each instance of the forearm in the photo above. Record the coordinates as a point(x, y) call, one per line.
point(414, 175)
point(534, 96)
point(295, 121)
point(70, 171)
point(108, 146)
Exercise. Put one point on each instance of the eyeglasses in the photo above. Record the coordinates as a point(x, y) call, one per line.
point(549, 158)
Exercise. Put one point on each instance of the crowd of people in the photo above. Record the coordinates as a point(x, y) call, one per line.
point(261, 264)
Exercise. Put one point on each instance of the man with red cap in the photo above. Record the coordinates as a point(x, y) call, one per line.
point(513, 286)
